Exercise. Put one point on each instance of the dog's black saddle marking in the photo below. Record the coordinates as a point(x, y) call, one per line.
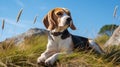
point(80, 43)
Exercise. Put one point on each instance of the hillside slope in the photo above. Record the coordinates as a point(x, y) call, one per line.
point(26, 53)
point(21, 37)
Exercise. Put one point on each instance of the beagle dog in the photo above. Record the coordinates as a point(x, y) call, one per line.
point(60, 41)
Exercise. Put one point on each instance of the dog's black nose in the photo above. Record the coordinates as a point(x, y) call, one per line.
point(69, 19)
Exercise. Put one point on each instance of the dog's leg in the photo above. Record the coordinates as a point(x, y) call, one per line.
point(44, 56)
point(96, 47)
point(48, 52)
point(51, 60)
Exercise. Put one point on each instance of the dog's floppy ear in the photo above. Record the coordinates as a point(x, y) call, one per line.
point(45, 21)
point(48, 21)
point(72, 26)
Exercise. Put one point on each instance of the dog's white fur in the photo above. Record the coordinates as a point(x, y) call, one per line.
point(55, 48)
point(59, 46)
point(63, 19)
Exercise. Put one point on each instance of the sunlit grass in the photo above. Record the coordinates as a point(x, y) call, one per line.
point(101, 40)
point(26, 54)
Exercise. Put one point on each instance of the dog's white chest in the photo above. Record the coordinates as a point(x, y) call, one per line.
point(62, 44)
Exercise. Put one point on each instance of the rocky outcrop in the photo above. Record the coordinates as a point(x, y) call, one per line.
point(114, 39)
point(20, 38)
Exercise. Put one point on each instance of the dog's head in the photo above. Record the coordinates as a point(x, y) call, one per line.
point(58, 19)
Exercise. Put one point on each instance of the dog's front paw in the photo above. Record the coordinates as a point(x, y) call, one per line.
point(41, 60)
point(50, 61)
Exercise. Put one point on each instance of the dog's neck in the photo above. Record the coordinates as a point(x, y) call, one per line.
point(56, 33)
point(63, 34)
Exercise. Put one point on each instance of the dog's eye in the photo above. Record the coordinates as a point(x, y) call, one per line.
point(59, 14)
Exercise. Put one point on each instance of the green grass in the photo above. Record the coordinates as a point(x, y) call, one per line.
point(102, 39)
point(26, 54)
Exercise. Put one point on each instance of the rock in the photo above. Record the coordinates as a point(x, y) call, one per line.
point(114, 39)
point(20, 38)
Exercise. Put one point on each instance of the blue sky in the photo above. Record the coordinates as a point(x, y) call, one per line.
point(88, 15)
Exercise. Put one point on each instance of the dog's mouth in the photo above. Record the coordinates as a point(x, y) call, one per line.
point(66, 25)
point(62, 28)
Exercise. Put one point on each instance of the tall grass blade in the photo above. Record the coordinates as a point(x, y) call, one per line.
point(3, 24)
point(115, 12)
point(35, 19)
point(19, 14)
point(2, 64)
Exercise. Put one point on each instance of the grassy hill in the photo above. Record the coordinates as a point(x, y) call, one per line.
point(26, 54)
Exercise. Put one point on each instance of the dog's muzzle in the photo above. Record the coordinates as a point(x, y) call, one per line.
point(65, 20)
point(68, 20)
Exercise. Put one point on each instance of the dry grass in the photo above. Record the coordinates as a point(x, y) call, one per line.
point(22, 57)
point(115, 12)
point(19, 14)
point(3, 24)
point(26, 55)
point(35, 19)
point(102, 39)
